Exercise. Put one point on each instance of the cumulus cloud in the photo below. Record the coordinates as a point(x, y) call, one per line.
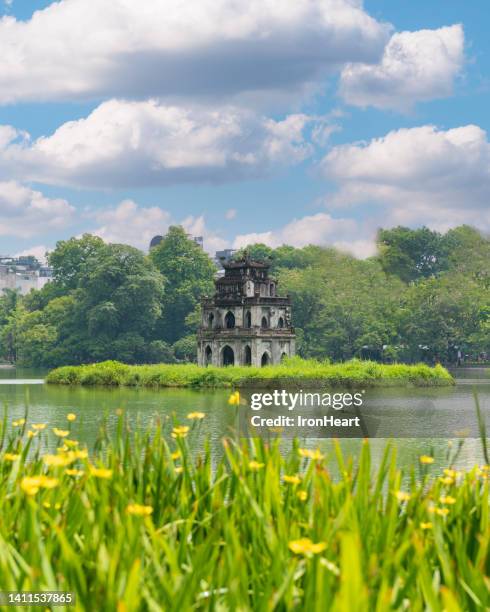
point(128, 223)
point(122, 144)
point(76, 49)
point(131, 223)
point(321, 229)
point(39, 251)
point(416, 66)
point(420, 175)
point(25, 212)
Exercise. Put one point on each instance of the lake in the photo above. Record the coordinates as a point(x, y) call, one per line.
point(430, 416)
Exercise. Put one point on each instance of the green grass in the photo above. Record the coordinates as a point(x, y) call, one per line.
point(232, 533)
point(355, 373)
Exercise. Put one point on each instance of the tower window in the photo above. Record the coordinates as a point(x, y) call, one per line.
point(229, 320)
point(248, 319)
point(280, 323)
point(210, 320)
point(264, 324)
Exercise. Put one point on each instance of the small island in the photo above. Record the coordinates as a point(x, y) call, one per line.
point(292, 372)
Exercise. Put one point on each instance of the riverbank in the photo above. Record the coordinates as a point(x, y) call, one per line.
point(293, 372)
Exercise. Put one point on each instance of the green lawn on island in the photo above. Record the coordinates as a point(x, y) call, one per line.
point(354, 373)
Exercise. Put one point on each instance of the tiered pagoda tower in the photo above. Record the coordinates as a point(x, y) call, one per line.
point(246, 322)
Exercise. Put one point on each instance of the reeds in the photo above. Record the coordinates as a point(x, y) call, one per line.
point(140, 523)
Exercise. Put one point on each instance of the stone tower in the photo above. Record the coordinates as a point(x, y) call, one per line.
point(246, 322)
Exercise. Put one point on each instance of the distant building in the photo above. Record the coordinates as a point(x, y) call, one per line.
point(223, 257)
point(245, 322)
point(23, 274)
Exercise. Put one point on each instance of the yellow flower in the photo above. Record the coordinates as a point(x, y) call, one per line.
point(196, 415)
point(427, 525)
point(101, 472)
point(442, 511)
point(58, 460)
point(447, 480)
point(449, 473)
point(38, 426)
point(179, 470)
point(305, 546)
point(255, 466)
point(18, 423)
point(402, 496)
point(316, 454)
point(234, 399)
point(447, 499)
point(176, 455)
point(32, 484)
point(61, 433)
point(11, 457)
point(291, 479)
point(32, 434)
point(180, 431)
point(302, 495)
point(81, 454)
point(426, 459)
point(71, 417)
point(57, 506)
point(74, 472)
point(138, 510)
point(70, 443)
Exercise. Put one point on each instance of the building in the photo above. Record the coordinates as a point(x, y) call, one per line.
point(246, 322)
point(223, 257)
point(23, 274)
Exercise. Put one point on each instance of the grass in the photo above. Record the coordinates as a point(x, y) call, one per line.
point(139, 523)
point(354, 373)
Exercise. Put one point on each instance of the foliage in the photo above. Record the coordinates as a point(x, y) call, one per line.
point(189, 274)
point(354, 373)
point(424, 297)
point(140, 524)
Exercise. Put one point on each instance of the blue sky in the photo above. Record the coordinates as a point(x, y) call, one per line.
point(318, 123)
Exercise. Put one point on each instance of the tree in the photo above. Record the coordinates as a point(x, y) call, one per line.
point(412, 254)
point(189, 274)
point(71, 259)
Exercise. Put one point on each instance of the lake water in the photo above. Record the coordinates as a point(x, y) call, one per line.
point(434, 414)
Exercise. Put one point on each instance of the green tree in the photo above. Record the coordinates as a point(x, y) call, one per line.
point(412, 254)
point(71, 259)
point(189, 274)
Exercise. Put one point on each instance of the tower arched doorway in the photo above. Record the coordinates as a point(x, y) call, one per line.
point(208, 356)
point(264, 323)
point(266, 360)
point(248, 319)
point(227, 356)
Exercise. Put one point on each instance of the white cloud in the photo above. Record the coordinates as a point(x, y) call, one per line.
point(39, 251)
point(76, 49)
point(25, 212)
point(128, 223)
point(230, 214)
point(131, 223)
point(418, 176)
point(123, 144)
point(416, 66)
point(320, 229)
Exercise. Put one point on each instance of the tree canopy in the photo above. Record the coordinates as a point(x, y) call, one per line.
point(424, 296)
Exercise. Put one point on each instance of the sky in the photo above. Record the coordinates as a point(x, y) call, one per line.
point(313, 121)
